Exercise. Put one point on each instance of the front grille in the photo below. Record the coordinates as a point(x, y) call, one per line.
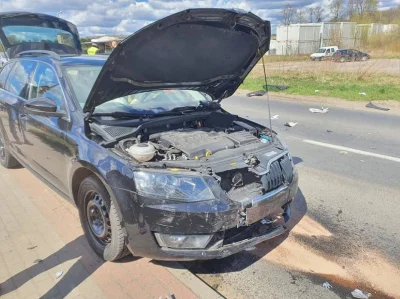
point(274, 178)
point(253, 186)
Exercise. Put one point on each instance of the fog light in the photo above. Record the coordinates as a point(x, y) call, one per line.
point(183, 241)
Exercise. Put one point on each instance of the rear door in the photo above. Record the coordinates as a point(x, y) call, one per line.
point(46, 146)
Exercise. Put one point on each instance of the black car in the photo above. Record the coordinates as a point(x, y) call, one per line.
point(350, 55)
point(138, 140)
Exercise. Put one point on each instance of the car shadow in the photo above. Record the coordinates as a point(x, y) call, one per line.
point(243, 260)
point(86, 264)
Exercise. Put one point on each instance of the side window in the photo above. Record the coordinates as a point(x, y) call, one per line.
point(328, 51)
point(18, 81)
point(4, 74)
point(45, 83)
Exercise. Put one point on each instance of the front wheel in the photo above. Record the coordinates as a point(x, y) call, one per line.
point(100, 220)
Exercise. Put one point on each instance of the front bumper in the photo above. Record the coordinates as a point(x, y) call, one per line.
point(181, 220)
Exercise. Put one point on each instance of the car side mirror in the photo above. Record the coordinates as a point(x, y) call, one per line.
point(42, 106)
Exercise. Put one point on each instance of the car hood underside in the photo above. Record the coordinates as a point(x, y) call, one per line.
point(209, 50)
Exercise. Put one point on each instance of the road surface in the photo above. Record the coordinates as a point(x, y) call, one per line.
point(346, 214)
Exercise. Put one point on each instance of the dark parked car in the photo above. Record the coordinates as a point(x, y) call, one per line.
point(350, 55)
point(138, 140)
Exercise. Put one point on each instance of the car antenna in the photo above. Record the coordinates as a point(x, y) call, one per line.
point(267, 93)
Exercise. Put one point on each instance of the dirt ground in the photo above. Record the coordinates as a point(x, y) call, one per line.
point(379, 66)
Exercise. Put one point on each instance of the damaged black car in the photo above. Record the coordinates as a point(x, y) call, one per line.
point(138, 140)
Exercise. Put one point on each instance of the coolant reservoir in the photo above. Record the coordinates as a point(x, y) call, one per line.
point(142, 152)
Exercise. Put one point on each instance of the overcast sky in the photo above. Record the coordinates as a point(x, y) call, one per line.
point(94, 17)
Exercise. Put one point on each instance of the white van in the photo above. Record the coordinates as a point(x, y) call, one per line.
point(324, 53)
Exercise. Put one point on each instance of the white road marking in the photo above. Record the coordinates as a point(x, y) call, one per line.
point(352, 150)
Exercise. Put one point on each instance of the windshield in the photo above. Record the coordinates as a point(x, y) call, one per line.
point(82, 79)
point(24, 34)
point(321, 51)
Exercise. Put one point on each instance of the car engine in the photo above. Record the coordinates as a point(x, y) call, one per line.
point(191, 143)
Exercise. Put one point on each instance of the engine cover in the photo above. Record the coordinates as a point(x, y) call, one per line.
point(198, 143)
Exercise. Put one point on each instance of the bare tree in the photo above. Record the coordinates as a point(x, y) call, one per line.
point(336, 7)
point(318, 12)
point(361, 8)
point(310, 14)
point(288, 13)
point(351, 8)
point(301, 16)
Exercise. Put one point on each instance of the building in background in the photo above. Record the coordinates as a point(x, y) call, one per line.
point(297, 39)
point(306, 38)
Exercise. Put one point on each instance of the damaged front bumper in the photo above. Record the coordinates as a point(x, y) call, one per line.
point(232, 228)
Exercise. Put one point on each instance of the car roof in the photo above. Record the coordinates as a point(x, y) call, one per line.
point(68, 60)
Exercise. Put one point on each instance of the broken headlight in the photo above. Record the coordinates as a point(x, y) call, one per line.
point(189, 188)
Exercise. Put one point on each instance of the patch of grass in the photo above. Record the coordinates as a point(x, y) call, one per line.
point(336, 85)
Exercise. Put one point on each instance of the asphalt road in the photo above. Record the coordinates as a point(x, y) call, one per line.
point(346, 219)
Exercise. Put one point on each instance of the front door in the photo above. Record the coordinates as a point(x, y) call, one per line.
point(46, 145)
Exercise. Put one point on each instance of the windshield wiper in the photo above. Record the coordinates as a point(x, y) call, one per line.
point(119, 114)
point(209, 106)
point(204, 106)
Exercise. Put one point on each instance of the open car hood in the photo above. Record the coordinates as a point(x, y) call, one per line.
point(208, 50)
point(24, 31)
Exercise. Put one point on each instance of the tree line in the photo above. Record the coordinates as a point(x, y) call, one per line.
point(360, 11)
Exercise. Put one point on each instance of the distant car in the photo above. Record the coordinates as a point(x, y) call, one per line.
point(324, 53)
point(350, 55)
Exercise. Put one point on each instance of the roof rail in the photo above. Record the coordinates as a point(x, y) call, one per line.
point(39, 53)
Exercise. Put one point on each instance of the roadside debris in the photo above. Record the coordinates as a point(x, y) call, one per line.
point(31, 248)
point(362, 94)
point(360, 294)
point(329, 131)
point(37, 261)
point(343, 152)
point(58, 274)
point(290, 124)
point(275, 117)
point(168, 297)
point(327, 285)
point(316, 91)
point(322, 110)
point(362, 161)
point(257, 93)
point(373, 106)
point(279, 87)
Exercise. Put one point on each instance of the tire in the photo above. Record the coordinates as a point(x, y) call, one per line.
point(312, 59)
point(109, 242)
point(364, 58)
point(342, 59)
point(320, 59)
point(6, 159)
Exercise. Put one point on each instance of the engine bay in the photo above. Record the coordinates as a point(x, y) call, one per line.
point(195, 141)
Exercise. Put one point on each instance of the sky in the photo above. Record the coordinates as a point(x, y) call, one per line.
point(122, 17)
